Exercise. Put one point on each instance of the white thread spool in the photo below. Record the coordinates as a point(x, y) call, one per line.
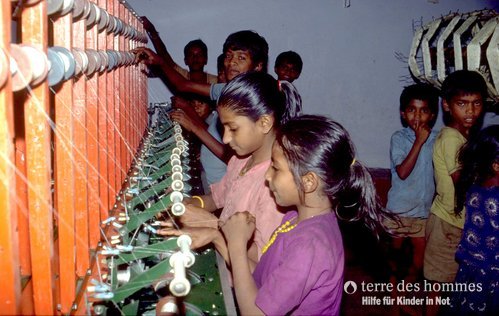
point(179, 286)
point(123, 276)
point(175, 162)
point(177, 208)
point(174, 156)
point(180, 145)
point(176, 151)
point(177, 185)
point(184, 242)
point(177, 168)
point(179, 137)
point(177, 176)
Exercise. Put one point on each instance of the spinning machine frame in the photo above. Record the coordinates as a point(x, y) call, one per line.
point(75, 142)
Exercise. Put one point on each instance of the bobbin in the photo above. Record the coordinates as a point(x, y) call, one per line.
point(68, 59)
point(179, 286)
point(103, 21)
point(56, 67)
point(81, 9)
point(81, 60)
point(54, 6)
point(39, 63)
point(4, 68)
point(20, 68)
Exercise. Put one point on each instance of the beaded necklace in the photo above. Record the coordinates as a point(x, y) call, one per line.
point(284, 228)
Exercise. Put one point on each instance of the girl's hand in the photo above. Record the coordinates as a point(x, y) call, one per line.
point(146, 56)
point(197, 217)
point(201, 236)
point(239, 228)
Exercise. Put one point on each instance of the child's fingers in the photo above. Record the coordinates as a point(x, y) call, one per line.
point(167, 223)
point(169, 232)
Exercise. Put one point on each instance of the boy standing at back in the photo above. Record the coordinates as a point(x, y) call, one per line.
point(288, 66)
point(412, 189)
point(463, 93)
point(195, 56)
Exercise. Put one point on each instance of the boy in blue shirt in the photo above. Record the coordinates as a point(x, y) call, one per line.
point(244, 51)
point(413, 187)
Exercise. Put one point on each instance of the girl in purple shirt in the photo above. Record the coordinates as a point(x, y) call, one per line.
point(301, 271)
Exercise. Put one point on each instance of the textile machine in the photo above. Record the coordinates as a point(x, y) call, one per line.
point(87, 175)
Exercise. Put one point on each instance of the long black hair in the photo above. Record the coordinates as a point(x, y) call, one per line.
point(313, 143)
point(254, 94)
point(476, 158)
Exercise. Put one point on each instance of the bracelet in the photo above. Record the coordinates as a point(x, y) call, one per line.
point(200, 199)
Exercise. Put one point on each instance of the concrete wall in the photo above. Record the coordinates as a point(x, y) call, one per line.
point(350, 72)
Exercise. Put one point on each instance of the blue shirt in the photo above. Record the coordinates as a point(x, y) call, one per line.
point(216, 90)
point(413, 196)
point(213, 167)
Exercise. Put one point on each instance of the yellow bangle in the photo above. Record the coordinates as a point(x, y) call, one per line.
point(200, 199)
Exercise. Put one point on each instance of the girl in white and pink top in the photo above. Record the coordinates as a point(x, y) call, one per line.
point(251, 107)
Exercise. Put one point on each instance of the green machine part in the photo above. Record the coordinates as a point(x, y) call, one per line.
point(206, 287)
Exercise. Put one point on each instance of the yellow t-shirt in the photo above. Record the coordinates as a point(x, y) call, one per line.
point(445, 163)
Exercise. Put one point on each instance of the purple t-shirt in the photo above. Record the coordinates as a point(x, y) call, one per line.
point(302, 272)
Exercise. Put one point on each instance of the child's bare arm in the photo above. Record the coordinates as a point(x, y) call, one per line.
point(208, 204)
point(158, 44)
point(455, 176)
point(179, 83)
point(216, 147)
point(238, 230)
point(406, 167)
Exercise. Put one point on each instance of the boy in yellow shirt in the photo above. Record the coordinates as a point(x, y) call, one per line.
point(463, 93)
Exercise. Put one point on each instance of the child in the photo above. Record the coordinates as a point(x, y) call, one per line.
point(244, 51)
point(251, 107)
point(195, 56)
point(463, 93)
point(478, 250)
point(412, 190)
point(288, 66)
point(301, 271)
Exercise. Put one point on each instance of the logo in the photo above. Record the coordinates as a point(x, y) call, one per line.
point(350, 287)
